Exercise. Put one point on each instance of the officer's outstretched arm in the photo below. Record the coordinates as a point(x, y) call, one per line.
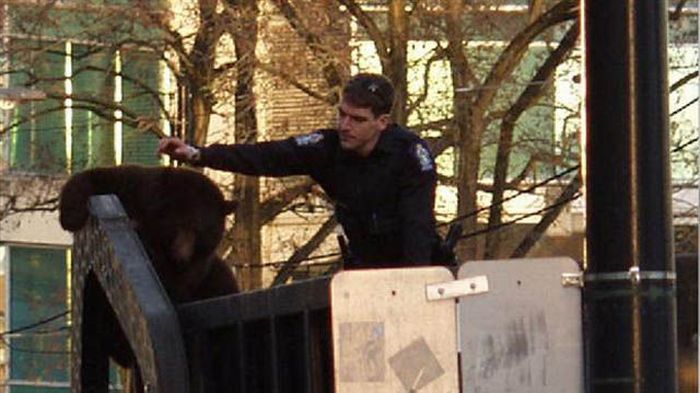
point(178, 149)
point(276, 158)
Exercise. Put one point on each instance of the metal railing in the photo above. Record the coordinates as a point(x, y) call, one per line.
point(275, 340)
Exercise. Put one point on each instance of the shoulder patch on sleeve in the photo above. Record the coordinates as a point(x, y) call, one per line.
point(308, 139)
point(424, 159)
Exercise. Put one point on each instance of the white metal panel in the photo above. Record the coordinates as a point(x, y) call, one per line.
point(524, 335)
point(388, 337)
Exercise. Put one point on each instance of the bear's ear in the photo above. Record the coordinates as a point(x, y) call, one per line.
point(230, 207)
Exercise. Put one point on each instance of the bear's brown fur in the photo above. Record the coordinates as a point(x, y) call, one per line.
point(179, 215)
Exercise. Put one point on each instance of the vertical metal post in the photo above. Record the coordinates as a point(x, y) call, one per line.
point(273, 367)
point(306, 351)
point(629, 303)
point(241, 354)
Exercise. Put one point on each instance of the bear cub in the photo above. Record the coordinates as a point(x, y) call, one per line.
point(179, 215)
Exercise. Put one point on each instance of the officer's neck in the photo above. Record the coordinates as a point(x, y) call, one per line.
point(365, 150)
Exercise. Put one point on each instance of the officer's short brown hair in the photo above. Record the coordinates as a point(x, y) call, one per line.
point(373, 91)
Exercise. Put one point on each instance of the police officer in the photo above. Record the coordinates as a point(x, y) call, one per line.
point(381, 176)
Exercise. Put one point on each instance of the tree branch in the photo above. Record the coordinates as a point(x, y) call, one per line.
point(681, 82)
point(677, 11)
point(548, 218)
point(438, 55)
point(530, 95)
point(274, 204)
point(330, 100)
point(304, 251)
point(509, 58)
point(370, 27)
point(331, 70)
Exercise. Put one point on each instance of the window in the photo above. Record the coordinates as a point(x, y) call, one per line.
point(92, 135)
point(39, 356)
point(74, 128)
point(37, 138)
point(139, 81)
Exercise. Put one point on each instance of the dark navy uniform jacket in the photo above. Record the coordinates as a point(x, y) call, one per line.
point(383, 201)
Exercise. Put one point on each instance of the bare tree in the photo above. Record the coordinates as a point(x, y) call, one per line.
point(213, 60)
point(472, 112)
point(490, 94)
point(246, 230)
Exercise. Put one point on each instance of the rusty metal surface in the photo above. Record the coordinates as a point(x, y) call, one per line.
point(110, 248)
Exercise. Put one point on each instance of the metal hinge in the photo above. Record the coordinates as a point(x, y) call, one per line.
point(572, 280)
point(452, 289)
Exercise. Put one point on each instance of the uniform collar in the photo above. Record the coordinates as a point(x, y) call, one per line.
point(384, 143)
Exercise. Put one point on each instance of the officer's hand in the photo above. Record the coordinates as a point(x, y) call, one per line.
point(177, 149)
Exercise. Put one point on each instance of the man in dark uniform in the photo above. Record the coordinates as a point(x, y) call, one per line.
point(381, 176)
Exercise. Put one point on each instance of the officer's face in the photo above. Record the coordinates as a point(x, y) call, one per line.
point(359, 129)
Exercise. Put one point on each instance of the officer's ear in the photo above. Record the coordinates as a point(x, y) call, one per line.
point(384, 121)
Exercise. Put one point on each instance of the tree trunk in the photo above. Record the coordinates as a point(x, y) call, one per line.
point(246, 230)
point(397, 63)
point(505, 143)
point(199, 121)
point(200, 101)
point(468, 126)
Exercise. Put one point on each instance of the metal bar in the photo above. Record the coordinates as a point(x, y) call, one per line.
point(274, 359)
point(283, 300)
point(306, 348)
point(453, 289)
point(93, 359)
point(259, 315)
point(607, 154)
point(630, 276)
point(136, 304)
point(240, 345)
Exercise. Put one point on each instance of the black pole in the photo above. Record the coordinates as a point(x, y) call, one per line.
point(629, 303)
